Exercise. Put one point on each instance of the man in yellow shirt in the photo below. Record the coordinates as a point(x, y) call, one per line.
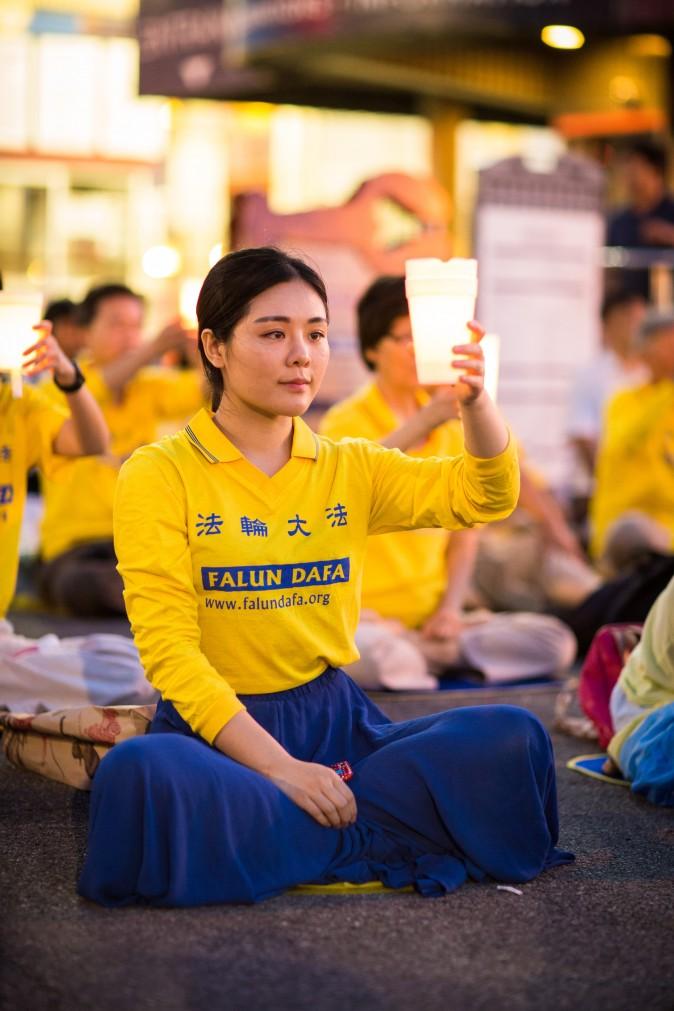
point(415, 583)
point(76, 536)
point(632, 508)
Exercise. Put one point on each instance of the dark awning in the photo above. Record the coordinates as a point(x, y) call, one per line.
point(335, 52)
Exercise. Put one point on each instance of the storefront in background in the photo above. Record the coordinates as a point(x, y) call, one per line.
point(302, 101)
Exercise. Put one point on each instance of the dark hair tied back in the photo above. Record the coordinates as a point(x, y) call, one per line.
point(232, 284)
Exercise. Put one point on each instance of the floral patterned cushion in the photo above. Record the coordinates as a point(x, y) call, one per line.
point(68, 744)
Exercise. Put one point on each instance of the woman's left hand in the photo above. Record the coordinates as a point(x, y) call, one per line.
point(471, 366)
point(46, 353)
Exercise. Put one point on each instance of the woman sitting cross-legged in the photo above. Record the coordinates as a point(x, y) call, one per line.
point(240, 542)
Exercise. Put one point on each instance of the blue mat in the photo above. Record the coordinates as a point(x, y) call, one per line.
point(592, 765)
point(466, 681)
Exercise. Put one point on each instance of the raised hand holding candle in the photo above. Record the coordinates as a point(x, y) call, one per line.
point(441, 296)
point(18, 315)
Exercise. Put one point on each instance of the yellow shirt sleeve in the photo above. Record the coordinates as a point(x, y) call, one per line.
point(44, 420)
point(154, 560)
point(457, 492)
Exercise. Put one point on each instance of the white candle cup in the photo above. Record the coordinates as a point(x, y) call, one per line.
point(441, 297)
point(18, 316)
point(491, 347)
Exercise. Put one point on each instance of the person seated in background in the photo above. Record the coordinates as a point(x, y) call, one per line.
point(647, 222)
point(642, 708)
point(49, 673)
point(534, 561)
point(616, 366)
point(79, 571)
point(632, 508)
point(415, 583)
point(63, 315)
point(648, 219)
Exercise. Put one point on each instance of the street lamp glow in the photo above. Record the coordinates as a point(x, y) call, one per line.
point(649, 45)
point(161, 262)
point(562, 37)
point(216, 253)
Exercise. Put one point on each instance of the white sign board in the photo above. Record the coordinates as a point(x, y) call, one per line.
point(540, 289)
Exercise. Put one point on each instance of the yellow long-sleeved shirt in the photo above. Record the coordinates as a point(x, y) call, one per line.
point(28, 427)
point(78, 508)
point(635, 462)
point(236, 582)
point(405, 574)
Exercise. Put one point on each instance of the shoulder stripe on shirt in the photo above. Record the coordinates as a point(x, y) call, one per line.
point(199, 445)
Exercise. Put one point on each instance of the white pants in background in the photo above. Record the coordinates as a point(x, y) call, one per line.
point(37, 675)
point(503, 647)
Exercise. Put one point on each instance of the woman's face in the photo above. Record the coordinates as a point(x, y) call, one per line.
point(276, 358)
point(393, 357)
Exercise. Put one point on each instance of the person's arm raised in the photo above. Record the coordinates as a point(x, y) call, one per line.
point(442, 408)
point(85, 433)
point(117, 374)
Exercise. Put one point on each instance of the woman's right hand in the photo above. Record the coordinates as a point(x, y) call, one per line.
point(319, 791)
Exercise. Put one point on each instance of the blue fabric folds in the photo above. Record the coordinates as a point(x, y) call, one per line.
point(468, 793)
point(647, 757)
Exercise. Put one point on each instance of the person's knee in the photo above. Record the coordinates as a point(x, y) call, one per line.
point(503, 730)
point(554, 643)
point(520, 645)
point(629, 538)
point(86, 590)
point(388, 660)
point(140, 758)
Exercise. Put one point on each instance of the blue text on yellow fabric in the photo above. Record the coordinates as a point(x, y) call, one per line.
point(235, 578)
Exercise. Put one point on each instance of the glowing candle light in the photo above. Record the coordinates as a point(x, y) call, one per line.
point(491, 346)
point(441, 296)
point(18, 315)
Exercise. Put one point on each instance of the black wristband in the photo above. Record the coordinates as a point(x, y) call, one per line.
point(77, 382)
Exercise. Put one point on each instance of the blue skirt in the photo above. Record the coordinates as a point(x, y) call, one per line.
point(468, 793)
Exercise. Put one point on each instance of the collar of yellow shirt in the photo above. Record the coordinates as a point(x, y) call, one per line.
point(214, 445)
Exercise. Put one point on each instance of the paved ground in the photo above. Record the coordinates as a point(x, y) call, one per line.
point(593, 936)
